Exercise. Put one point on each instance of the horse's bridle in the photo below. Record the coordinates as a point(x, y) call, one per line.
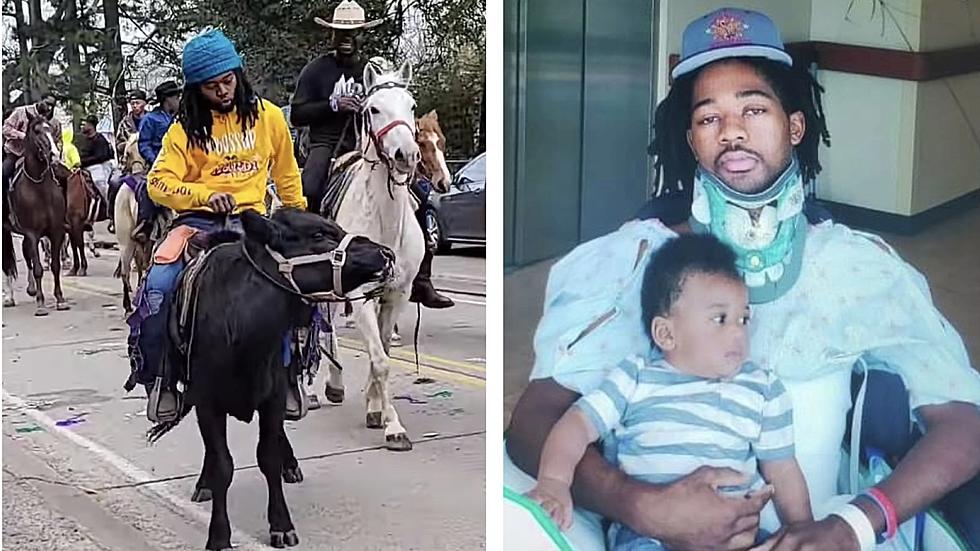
point(337, 258)
point(44, 158)
point(377, 137)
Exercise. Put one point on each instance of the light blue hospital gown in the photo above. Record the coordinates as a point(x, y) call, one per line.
point(664, 424)
point(854, 297)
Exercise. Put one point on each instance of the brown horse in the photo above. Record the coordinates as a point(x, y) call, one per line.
point(85, 207)
point(37, 209)
point(432, 146)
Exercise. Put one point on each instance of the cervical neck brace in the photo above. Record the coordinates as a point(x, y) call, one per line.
point(767, 230)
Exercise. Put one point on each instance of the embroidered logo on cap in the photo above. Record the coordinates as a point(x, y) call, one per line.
point(727, 28)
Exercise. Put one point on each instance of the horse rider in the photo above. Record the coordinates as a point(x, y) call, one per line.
point(69, 153)
point(130, 124)
point(15, 130)
point(327, 100)
point(95, 155)
point(214, 163)
point(153, 126)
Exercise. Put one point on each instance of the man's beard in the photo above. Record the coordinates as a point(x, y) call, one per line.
point(225, 109)
point(766, 183)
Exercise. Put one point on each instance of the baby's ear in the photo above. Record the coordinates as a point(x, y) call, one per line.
point(663, 333)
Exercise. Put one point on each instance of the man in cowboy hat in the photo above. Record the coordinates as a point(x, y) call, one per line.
point(329, 109)
point(130, 124)
point(152, 129)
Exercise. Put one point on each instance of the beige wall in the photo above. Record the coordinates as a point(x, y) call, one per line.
point(897, 146)
point(947, 146)
point(871, 121)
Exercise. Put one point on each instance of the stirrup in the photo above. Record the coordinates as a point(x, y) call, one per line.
point(297, 405)
point(163, 404)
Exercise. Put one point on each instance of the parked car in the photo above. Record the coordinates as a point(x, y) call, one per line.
point(459, 216)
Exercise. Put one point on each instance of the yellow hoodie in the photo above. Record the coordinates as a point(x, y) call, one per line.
point(238, 163)
point(69, 152)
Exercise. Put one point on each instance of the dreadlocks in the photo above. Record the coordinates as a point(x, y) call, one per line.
point(195, 111)
point(797, 90)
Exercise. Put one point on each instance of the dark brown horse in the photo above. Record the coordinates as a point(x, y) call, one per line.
point(37, 210)
point(85, 207)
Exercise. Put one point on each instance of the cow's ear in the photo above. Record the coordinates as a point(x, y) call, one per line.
point(260, 229)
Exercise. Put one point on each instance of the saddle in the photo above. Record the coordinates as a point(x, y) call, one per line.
point(97, 209)
point(195, 248)
point(339, 179)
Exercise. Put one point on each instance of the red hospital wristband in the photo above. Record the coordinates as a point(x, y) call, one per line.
point(891, 515)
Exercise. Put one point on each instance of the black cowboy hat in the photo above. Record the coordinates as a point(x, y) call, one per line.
point(165, 90)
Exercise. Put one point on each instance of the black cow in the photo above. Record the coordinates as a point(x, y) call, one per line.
point(241, 308)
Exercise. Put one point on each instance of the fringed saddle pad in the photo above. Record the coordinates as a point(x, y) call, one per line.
point(338, 181)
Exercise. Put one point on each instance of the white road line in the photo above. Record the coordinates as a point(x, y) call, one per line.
point(131, 471)
point(465, 301)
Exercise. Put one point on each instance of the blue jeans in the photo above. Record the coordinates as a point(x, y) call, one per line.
point(148, 322)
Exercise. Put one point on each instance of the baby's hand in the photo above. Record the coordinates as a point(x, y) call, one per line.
point(555, 498)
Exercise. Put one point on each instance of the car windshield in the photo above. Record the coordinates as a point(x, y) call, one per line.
point(476, 171)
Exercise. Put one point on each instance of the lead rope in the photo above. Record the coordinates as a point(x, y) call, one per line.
point(418, 323)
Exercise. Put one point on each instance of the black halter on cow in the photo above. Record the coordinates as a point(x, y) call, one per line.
point(234, 364)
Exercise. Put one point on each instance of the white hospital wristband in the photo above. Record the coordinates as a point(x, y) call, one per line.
point(859, 523)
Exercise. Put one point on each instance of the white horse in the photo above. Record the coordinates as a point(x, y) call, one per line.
point(378, 205)
point(130, 250)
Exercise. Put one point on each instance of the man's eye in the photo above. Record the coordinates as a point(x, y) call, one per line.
point(745, 320)
point(719, 319)
point(755, 111)
point(708, 120)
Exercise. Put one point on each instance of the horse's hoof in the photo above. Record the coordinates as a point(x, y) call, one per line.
point(62, 306)
point(334, 395)
point(373, 420)
point(41, 311)
point(82, 273)
point(72, 272)
point(283, 539)
point(8, 302)
point(398, 442)
point(201, 495)
point(31, 291)
point(292, 475)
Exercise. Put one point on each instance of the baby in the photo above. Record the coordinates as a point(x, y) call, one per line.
point(702, 404)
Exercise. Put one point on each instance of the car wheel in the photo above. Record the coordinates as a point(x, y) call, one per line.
point(433, 232)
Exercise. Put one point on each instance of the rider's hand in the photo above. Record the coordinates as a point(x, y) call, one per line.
point(349, 104)
point(689, 513)
point(555, 498)
point(222, 203)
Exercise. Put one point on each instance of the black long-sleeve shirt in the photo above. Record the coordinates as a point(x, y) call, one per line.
point(93, 151)
point(311, 102)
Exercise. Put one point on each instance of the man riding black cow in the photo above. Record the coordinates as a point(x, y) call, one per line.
point(327, 100)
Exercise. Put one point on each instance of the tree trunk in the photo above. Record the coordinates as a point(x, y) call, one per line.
point(76, 86)
point(23, 62)
point(113, 50)
point(34, 85)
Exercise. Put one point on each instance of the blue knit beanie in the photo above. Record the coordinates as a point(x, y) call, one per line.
point(207, 56)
